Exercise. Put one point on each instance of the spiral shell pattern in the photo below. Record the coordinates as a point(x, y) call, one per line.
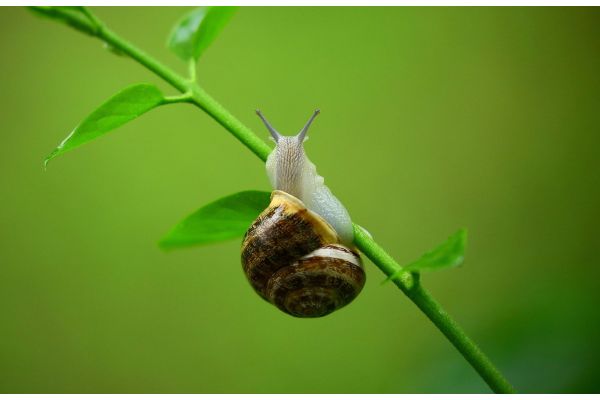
point(293, 259)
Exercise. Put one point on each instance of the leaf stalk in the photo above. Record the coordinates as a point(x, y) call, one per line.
point(184, 98)
point(192, 67)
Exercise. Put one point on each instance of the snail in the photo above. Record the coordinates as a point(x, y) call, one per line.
point(298, 254)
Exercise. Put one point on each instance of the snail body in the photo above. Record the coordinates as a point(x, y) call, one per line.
point(298, 253)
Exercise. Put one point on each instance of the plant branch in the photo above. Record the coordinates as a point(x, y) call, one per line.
point(408, 282)
point(198, 96)
point(457, 336)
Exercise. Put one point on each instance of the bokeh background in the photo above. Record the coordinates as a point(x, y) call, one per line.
point(432, 119)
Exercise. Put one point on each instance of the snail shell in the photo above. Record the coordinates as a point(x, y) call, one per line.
point(293, 258)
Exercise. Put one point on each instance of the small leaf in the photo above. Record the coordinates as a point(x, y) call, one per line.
point(223, 219)
point(197, 29)
point(126, 105)
point(75, 17)
point(449, 254)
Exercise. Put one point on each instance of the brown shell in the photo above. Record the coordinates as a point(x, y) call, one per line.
point(277, 260)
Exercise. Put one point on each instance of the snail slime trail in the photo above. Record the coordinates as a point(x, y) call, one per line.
point(298, 254)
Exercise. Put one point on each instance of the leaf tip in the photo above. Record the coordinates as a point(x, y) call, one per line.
point(50, 157)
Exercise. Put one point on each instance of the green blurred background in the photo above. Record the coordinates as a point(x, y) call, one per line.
point(432, 119)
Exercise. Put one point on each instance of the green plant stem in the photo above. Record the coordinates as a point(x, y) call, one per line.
point(408, 282)
point(198, 96)
point(457, 336)
point(192, 70)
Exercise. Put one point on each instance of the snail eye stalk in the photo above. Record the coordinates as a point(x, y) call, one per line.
point(276, 135)
point(302, 133)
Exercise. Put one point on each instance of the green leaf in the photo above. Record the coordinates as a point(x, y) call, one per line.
point(197, 30)
point(76, 17)
point(226, 218)
point(449, 254)
point(126, 105)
